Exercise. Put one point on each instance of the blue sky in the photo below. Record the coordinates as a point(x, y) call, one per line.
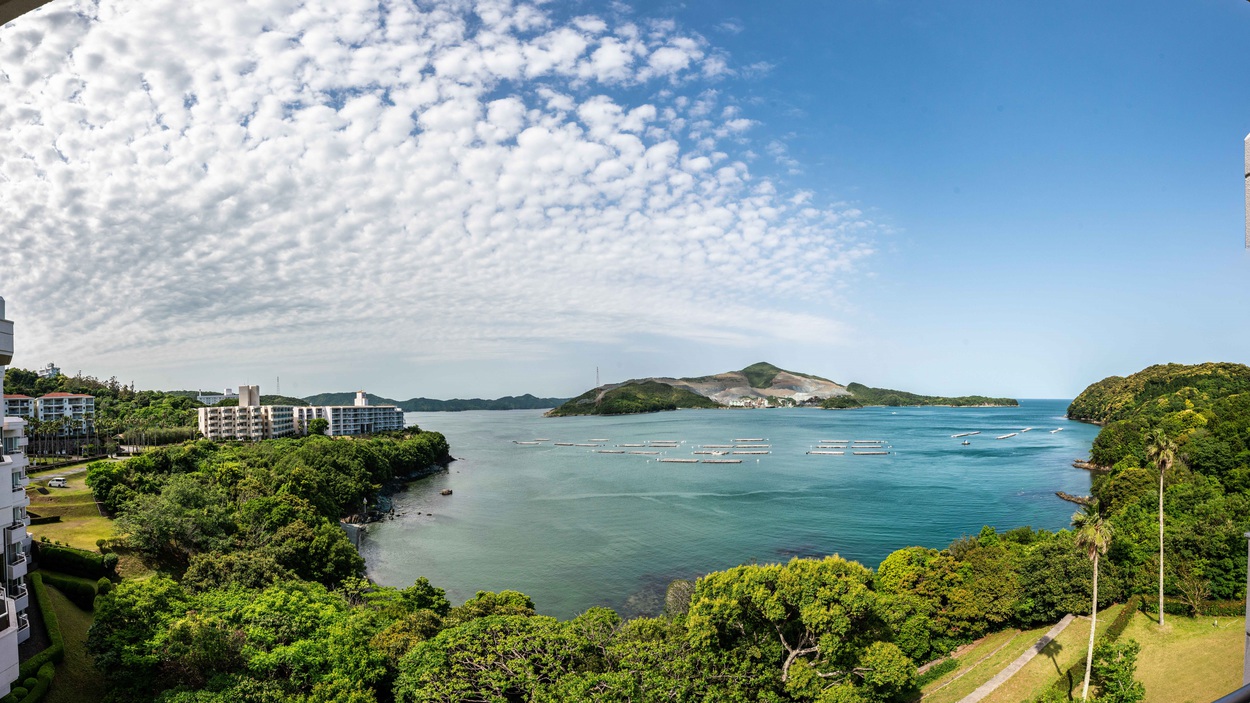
point(958, 197)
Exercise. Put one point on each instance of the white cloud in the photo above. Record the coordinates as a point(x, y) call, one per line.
point(187, 183)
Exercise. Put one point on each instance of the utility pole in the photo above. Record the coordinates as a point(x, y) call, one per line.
point(597, 368)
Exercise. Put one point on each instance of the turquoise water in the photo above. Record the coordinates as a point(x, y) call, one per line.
point(572, 528)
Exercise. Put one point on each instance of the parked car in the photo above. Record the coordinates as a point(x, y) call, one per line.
point(57, 482)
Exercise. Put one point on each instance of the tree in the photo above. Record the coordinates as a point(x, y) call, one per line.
point(1162, 453)
point(1114, 667)
point(318, 425)
point(1093, 536)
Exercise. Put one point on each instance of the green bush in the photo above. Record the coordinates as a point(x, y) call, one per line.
point(1211, 608)
point(55, 651)
point(68, 560)
point(1076, 672)
point(103, 586)
point(110, 562)
point(81, 592)
point(936, 672)
point(46, 673)
point(29, 683)
point(19, 692)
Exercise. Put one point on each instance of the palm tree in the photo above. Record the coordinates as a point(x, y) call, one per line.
point(1093, 536)
point(1162, 453)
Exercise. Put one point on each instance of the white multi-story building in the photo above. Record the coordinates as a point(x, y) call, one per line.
point(78, 408)
point(18, 405)
point(49, 371)
point(249, 421)
point(215, 398)
point(357, 419)
point(253, 421)
point(14, 598)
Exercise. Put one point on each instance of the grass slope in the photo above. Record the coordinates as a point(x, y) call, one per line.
point(1046, 668)
point(81, 523)
point(645, 397)
point(1190, 659)
point(77, 680)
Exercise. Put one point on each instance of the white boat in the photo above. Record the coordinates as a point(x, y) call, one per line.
point(965, 442)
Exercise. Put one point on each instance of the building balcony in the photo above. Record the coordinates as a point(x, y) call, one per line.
point(16, 533)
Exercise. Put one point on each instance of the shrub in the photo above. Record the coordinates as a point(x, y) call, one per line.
point(99, 544)
point(68, 560)
point(103, 586)
point(936, 672)
point(19, 692)
point(55, 651)
point(30, 683)
point(109, 562)
point(81, 592)
point(1213, 608)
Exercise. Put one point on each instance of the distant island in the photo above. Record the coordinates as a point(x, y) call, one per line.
point(430, 405)
point(761, 385)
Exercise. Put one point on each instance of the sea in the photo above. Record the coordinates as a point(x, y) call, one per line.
point(574, 528)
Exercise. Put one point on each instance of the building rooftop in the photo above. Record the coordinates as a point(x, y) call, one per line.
point(19, 396)
point(59, 394)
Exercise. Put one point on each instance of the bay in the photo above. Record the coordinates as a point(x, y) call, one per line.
point(573, 528)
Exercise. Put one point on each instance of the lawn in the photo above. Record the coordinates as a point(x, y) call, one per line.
point(77, 680)
point(1189, 659)
point(81, 522)
point(1067, 649)
point(979, 664)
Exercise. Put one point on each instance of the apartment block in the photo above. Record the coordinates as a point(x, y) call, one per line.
point(18, 405)
point(269, 421)
point(249, 421)
point(78, 408)
point(14, 597)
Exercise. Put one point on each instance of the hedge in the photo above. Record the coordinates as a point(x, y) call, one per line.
point(45, 520)
point(68, 560)
point(46, 672)
point(1215, 608)
point(55, 651)
point(1076, 672)
point(936, 672)
point(80, 591)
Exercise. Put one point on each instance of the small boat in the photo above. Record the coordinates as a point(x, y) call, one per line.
point(445, 492)
point(965, 442)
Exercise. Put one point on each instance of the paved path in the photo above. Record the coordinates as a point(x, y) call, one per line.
point(988, 687)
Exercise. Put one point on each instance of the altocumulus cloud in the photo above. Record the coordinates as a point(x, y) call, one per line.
point(426, 180)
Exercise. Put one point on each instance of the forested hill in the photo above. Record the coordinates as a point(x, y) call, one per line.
point(865, 395)
point(1153, 391)
point(758, 385)
point(431, 405)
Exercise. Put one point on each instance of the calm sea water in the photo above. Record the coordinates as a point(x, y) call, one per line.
point(573, 529)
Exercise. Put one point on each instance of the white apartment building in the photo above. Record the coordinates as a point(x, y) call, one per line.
point(14, 598)
point(76, 407)
point(18, 405)
point(249, 421)
point(252, 421)
point(357, 419)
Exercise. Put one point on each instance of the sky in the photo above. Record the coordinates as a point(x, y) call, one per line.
point(447, 198)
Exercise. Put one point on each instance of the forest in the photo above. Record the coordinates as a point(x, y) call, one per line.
point(261, 598)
